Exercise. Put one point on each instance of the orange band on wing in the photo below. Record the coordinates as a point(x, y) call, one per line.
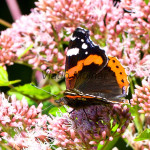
point(89, 60)
point(78, 96)
point(119, 70)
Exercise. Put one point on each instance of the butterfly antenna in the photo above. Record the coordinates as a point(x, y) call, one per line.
point(46, 108)
point(46, 92)
point(43, 90)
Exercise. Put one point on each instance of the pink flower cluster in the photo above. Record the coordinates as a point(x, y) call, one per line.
point(141, 101)
point(85, 129)
point(22, 126)
point(130, 134)
point(122, 30)
point(142, 97)
point(33, 41)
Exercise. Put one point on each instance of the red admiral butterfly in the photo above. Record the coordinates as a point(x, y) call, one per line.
point(92, 77)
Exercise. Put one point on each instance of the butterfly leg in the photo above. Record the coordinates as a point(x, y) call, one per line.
point(72, 111)
point(85, 114)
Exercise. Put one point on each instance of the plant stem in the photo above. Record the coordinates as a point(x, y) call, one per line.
point(5, 23)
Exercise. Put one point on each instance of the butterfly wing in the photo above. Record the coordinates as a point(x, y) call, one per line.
point(82, 53)
point(91, 72)
point(110, 83)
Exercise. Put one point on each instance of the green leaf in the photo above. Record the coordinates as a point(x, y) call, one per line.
point(25, 51)
point(31, 91)
point(57, 111)
point(4, 78)
point(3, 75)
point(9, 82)
point(109, 145)
point(146, 1)
point(145, 135)
point(137, 119)
point(132, 44)
point(35, 93)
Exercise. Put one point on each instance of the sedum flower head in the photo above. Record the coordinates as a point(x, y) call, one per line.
point(141, 106)
point(131, 133)
point(86, 128)
point(31, 40)
point(22, 126)
point(142, 97)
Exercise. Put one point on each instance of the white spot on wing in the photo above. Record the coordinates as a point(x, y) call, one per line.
point(73, 38)
point(82, 40)
point(86, 53)
point(72, 51)
point(84, 46)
